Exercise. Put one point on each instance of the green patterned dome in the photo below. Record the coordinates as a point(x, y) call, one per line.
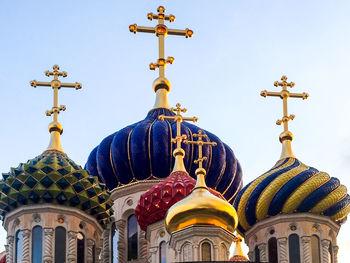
point(54, 178)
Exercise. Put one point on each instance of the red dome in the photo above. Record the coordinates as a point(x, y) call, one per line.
point(154, 204)
point(238, 258)
point(3, 257)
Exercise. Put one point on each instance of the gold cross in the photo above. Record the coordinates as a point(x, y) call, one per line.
point(200, 135)
point(161, 31)
point(178, 118)
point(284, 94)
point(55, 84)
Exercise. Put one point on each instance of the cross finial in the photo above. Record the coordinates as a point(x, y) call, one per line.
point(161, 31)
point(55, 128)
point(286, 136)
point(179, 153)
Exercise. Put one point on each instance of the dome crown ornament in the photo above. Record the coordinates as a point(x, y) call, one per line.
point(55, 128)
point(286, 136)
point(161, 85)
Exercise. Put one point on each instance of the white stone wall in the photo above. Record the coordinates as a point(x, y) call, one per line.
point(26, 218)
point(304, 225)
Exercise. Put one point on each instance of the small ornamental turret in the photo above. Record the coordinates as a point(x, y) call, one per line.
point(161, 85)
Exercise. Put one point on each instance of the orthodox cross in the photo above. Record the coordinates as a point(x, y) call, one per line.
point(55, 84)
point(178, 118)
point(284, 94)
point(200, 135)
point(161, 31)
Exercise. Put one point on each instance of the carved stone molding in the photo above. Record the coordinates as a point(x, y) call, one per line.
point(26, 246)
point(105, 245)
point(121, 226)
point(90, 252)
point(306, 246)
point(48, 245)
point(10, 249)
point(263, 253)
point(282, 251)
point(325, 251)
point(72, 247)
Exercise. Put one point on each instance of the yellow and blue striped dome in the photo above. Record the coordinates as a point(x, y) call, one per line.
point(291, 187)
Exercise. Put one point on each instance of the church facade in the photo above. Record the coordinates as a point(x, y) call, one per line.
point(164, 190)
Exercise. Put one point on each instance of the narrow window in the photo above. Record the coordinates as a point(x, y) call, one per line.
point(37, 244)
point(206, 251)
point(19, 243)
point(80, 247)
point(257, 254)
point(162, 252)
point(315, 249)
point(114, 243)
point(187, 252)
point(132, 237)
point(273, 258)
point(60, 245)
point(294, 248)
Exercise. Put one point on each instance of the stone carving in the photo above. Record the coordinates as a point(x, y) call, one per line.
point(282, 251)
point(306, 245)
point(10, 249)
point(105, 245)
point(72, 247)
point(90, 252)
point(143, 245)
point(263, 253)
point(48, 245)
point(325, 251)
point(26, 246)
point(121, 226)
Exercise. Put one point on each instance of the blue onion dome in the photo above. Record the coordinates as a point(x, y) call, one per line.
point(291, 187)
point(143, 151)
point(55, 179)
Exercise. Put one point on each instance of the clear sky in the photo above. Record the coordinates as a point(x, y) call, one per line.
point(239, 48)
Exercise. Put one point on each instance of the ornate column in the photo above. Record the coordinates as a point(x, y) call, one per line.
point(26, 246)
point(105, 245)
point(196, 253)
point(325, 251)
point(263, 252)
point(72, 247)
point(143, 245)
point(306, 248)
point(282, 250)
point(216, 253)
point(121, 226)
point(10, 249)
point(48, 245)
point(90, 252)
point(335, 254)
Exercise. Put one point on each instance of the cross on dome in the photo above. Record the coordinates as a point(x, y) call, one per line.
point(55, 128)
point(286, 136)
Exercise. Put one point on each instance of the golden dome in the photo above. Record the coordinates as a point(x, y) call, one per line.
point(201, 208)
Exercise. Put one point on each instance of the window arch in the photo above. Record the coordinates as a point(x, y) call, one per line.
point(60, 244)
point(114, 243)
point(187, 252)
point(257, 253)
point(80, 247)
point(37, 244)
point(206, 251)
point(19, 243)
point(132, 238)
point(162, 252)
point(294, 248)
point(273, 257)
point(315, 249)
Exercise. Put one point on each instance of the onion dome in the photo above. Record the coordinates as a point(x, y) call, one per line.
point(238, 255)
point(134, 154)
point(290, 186)
point(54, 178)
point(154, 204)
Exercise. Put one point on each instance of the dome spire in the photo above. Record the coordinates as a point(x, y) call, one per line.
point(55, 128)
point(286, 136)
point(161, 85)
point(178, 153)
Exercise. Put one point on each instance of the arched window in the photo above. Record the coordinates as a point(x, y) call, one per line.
point(315, 249)
point(80, 247)
point(206, 251)
point(187, 252)
point(257, 254)
point(132, 237)
point(60, 245)
point(37, 244)
point(294, 248)
point(19, 243)
point(114, 243)
point(162, 252)
point(273, 258)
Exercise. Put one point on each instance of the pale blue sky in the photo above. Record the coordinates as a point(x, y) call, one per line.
point(239, 48)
